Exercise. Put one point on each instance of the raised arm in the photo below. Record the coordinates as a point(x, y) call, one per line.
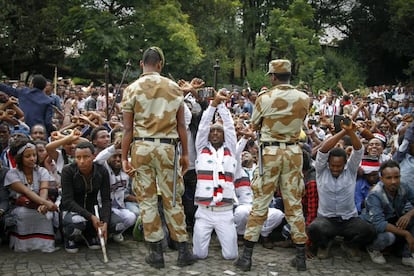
point(9, 90)
point(52, 147)
point(346, 130)
point(230, 137)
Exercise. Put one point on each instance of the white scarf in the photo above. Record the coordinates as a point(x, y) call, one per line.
point(218, 168)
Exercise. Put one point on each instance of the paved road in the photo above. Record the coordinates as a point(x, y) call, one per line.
point(128, 259)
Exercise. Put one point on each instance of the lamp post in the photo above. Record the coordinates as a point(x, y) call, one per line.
point(106, 67)
point(216, 68)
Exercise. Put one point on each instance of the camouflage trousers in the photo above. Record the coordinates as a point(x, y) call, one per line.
point(154, 162)
point(282, 169)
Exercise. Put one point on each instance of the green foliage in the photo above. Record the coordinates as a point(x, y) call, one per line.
point(77, 80)
point(402, 22)
point(344, 68)
point(410, 70)
point(292, 36)
point(218, 33)
point(78, 35)
point(28, 35)
point(168, 28)
point(257, 79)
point(261, 51)
point(98, 34)
point(96, 37)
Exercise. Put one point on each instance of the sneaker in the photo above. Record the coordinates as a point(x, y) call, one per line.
point(408, 261)
point(376, 256)
point(93, 243)
point(71, 246)
point(118, 238)
point(352, 253)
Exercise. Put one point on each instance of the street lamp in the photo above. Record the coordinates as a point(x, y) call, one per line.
point(106, 67)
point(216, 68)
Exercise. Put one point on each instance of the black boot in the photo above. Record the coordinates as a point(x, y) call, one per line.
point(244, 262)
point(185, 257)
point(300, 260)
point(155, 258)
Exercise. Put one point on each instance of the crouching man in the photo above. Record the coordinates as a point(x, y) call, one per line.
point(389, 207)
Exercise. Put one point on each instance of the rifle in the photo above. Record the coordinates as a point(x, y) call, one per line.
point(101, 237)
point(118, 91)
point(175, 174)
point(260, 154)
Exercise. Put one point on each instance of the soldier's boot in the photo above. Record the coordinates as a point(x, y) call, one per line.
point(155, 258)
point(300, 260)
point(244, 262)
point(185, 256)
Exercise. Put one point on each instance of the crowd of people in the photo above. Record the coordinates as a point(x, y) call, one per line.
point(168, 158)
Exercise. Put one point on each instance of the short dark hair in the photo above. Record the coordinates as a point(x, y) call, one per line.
point(39, 82)
point(17, 142)
point(337, 152)
point(282, 77)
point(86, 145)
point(114, 132)
point(95, 131)
point(39, 142)
point(151, 56)
point(6, 125)
point(38, 125)
point(388, 164)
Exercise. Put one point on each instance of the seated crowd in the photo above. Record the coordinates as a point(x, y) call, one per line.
point(61, 156)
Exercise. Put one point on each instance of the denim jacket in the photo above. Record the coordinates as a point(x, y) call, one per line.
point(380, 207)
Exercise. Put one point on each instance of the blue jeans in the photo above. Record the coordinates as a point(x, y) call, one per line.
point(386, 239)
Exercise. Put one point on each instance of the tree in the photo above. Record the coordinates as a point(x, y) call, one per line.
point(165, 25)
point(110, 30)
point(94, 37)
point(217, 28)
point(342, 67)
point(256, 19)
point(29, 40)
point(402, 22)
point(292, 37)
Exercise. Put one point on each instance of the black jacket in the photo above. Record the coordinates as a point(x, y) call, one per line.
point(80, 197)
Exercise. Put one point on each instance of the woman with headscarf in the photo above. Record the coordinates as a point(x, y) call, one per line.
point(29, 183)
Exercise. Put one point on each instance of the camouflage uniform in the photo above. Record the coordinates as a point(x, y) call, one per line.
point(278, 115)
point(155, 100)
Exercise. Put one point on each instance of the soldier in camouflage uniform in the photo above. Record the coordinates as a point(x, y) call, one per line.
point(153, 114)
point(278, 115)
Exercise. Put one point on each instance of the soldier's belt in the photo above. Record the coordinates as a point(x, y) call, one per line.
point(159, 140)
point(276, 143)
point(217, 208)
